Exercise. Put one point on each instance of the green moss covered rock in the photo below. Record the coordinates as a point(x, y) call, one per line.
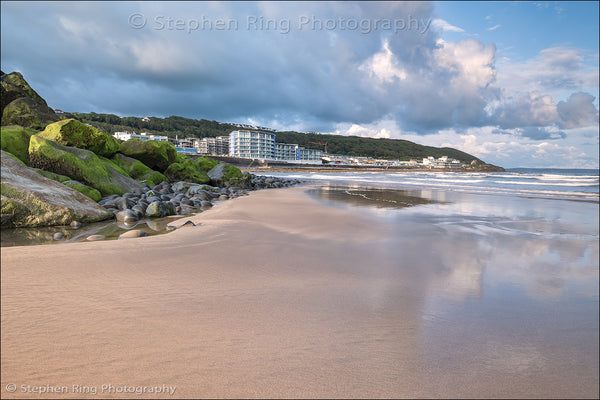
point(228, 175)
point(83, 189)
point(15, 86)
point(205, 163)
point(186, 171)
point(29, 199)
point(15, 140)
point(138, 170)
point(52, 175)
point(154, 154)
point(70, 132)
point(27, 112)
point(79, 164)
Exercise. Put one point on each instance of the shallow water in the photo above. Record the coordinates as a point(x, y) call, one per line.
point(111, 230)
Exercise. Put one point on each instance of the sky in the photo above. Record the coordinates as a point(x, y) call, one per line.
point(513, 83)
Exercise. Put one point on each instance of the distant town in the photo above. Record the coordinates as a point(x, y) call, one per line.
point(261, 144)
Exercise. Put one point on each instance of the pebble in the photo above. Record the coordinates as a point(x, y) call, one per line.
point(133, 234)
point(58, 236)
point(76, 224)
point(94, 237)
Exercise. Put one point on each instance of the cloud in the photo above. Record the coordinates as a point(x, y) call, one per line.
point(444, 26)
point(493, 28)
point(324, 75)
point(578, 111)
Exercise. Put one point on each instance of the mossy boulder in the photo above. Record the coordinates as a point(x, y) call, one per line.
point(187, 171)
point(83, 189)
point(205, 163)
point(154, 154)
point(138, 170)
point(15, 140)
point(29, 199)
point(15, 86)
point(27, 112)
point(52, 175)
point(83, 165)
point(228, 175)
point(70, 132)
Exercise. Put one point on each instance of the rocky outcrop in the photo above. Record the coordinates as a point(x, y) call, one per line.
point(82, 165)
point(29, 199)
point(21, 105)
point(73, 133)
point(156, 155)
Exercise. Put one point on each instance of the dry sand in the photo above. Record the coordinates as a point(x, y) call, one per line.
point(272, 295)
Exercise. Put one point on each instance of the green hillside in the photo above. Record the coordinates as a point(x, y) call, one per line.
point(336, 144)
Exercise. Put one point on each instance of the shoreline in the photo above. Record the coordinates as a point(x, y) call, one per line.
point(277, 295)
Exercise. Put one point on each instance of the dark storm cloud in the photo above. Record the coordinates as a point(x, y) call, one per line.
point(323, 63)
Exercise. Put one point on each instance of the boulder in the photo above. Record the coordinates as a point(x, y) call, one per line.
point(70, 132)
point(15, 86)
point(186, 171)
point(157, 209)
point(82, 165)
point(84, 189)
point(154, 154)
point(138, 170)
point(29, 199)
point(21, 105)
point(205, 164)
point(27, 112)
point(15, 140)
point(228, 175)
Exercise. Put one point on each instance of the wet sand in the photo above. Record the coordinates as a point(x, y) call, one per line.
point(278, 294)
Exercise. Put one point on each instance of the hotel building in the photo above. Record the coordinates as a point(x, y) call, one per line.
point(248, 144)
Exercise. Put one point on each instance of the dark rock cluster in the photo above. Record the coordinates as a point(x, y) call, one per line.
point(180, 198)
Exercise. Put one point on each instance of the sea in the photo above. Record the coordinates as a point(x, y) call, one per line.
point(576, 184)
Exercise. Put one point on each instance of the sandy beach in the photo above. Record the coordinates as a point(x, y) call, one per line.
point(278, 294)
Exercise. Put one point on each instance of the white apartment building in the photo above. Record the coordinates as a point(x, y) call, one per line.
point(218, 146)
point(311, 155)
point(285, 151)
point(250, 144)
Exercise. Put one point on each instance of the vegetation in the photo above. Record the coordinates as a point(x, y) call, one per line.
point(336, 144)
point(73, 133)
point(79, 164)
point(156, 155)
point(15, 140)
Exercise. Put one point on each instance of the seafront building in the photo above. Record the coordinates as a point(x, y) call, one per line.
point(218, 146)
point(252, 144)
point(261, 144)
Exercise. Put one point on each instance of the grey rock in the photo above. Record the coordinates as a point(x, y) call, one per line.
point(58, 236)
point(127, 216)
point(135, 233)
point(75, 224)
point(94, 237)
point(157, 209)
point(25, 188)
point(223, 197)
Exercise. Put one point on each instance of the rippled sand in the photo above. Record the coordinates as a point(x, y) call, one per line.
point(279, 295)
